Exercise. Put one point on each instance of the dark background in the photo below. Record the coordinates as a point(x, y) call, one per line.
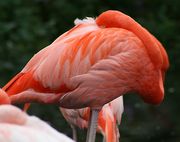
point(26, 26)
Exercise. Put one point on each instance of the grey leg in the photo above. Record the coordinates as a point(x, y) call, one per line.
point(92, 126)
point(74, 131)
point(104, 139)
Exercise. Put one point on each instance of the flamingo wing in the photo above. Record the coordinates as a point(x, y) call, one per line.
point(48, 69)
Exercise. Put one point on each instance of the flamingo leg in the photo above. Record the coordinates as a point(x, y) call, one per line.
point(74, 131)
point(92, 126)
point(104, 139)
point(32, 96)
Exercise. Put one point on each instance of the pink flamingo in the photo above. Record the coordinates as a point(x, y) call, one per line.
point(92, 64)
point(108, 118)
point(17, 126)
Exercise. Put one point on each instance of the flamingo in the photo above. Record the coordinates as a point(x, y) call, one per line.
point(109, 115)
point(93, 63)
point(17, 126)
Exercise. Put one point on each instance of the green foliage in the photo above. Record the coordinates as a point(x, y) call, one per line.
point(28, 26)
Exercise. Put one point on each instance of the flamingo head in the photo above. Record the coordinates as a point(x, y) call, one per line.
point(151, 88)
point(152, 85)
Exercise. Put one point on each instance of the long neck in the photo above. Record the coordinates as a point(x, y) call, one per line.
point(120, 20)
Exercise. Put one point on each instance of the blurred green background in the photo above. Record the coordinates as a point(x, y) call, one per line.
point(28, 26)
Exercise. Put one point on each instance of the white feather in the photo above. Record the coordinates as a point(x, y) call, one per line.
point(118, 108)
point(32, 129)
point(88, 20)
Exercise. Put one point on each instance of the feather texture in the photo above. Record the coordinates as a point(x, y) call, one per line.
point(108, 118)
point(16, 126)
point(107, 56)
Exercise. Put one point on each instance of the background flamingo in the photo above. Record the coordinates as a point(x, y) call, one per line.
point(17, 126)
point(108, 118)
point(92, 64)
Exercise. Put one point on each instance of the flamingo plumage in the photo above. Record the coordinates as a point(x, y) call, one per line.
point(108, 118)
point(16, 126)
point(92, 64)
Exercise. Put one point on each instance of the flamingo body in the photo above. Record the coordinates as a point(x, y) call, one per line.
point(92, 64)
point(92, 60)
point(16, 126)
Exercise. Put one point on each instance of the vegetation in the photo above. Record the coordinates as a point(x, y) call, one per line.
point(28, 26)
